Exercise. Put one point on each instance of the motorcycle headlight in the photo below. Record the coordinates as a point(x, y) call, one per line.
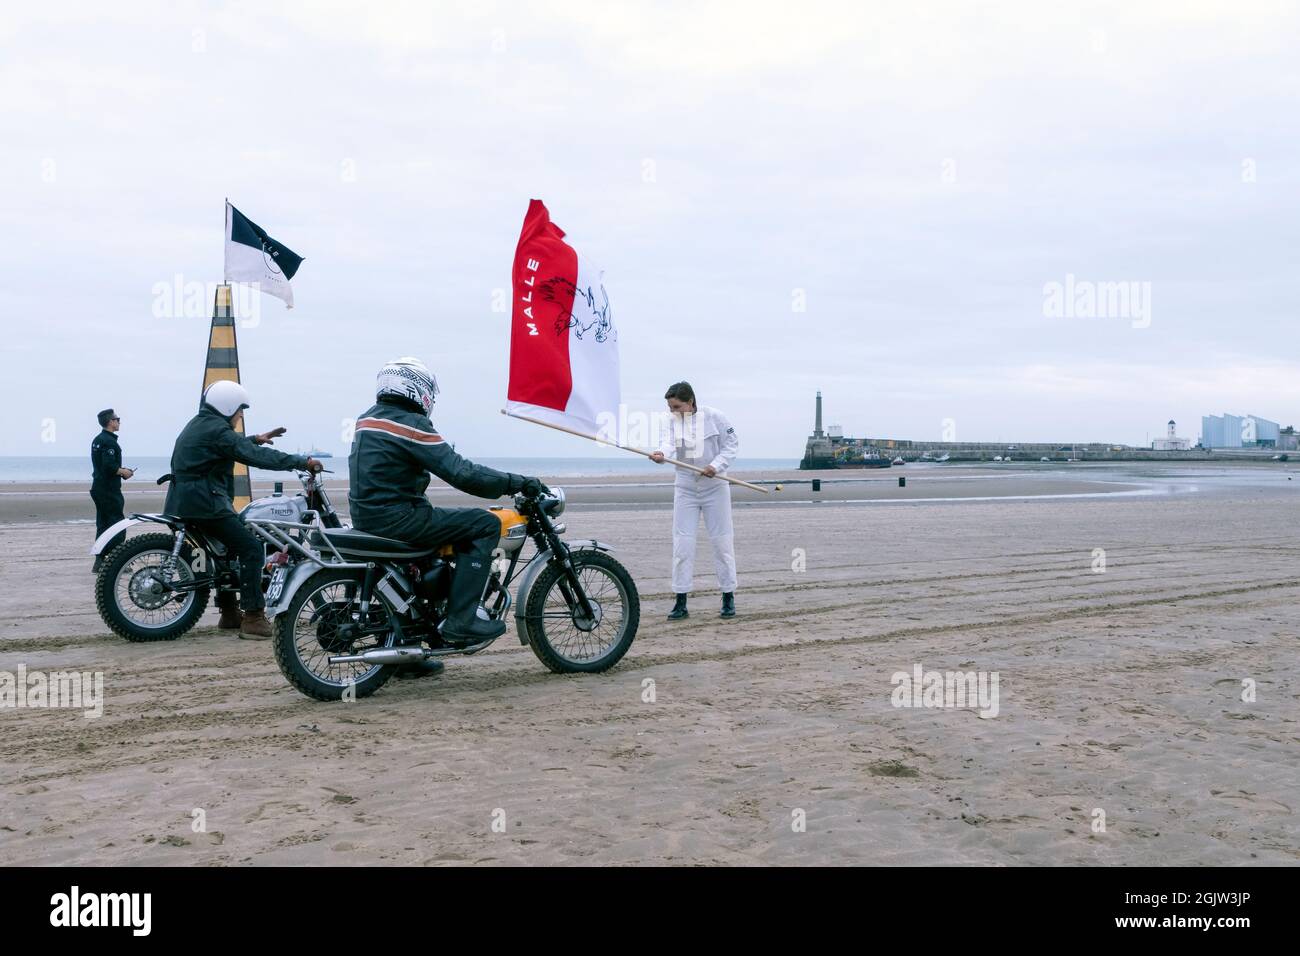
point(554, 504)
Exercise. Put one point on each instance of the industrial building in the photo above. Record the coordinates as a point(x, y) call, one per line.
point(1238, 431)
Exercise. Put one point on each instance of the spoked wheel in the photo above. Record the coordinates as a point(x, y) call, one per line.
point(134, 590)
point(323, 621)
point(562, 636)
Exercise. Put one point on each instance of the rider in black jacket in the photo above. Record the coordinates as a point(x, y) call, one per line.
point(202, 489)
point(394, 449)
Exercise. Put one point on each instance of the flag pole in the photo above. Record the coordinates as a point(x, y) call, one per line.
point(639, 451)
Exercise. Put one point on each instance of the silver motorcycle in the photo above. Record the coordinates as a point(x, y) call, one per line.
point(351, 607)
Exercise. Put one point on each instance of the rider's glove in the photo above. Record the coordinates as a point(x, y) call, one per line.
point(532, 487)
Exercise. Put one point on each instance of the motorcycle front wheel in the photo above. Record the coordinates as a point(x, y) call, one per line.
point(133, 595)
point(308, 634)
point(565, 639)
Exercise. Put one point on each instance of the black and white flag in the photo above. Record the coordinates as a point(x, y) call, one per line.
point(253, 256)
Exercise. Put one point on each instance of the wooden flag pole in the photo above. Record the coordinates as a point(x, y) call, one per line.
point(639, 451)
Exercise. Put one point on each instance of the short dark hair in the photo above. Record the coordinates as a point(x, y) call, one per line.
point(106, 416)
point(681, 391)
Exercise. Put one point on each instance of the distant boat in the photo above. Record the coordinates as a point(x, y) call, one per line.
point(316, 453)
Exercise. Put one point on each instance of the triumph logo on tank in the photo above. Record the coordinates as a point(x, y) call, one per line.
point(953, 690)
point(73, 909)
point(74, 690)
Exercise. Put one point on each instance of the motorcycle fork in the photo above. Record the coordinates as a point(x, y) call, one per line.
point(570, 586)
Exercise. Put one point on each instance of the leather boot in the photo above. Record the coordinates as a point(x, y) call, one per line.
point(476, 629)
point(679, 609)
point(255, 626)
point(463, 625)
point(728, 604)
point(231, 619)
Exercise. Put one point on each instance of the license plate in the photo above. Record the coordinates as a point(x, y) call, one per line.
point(276, 586)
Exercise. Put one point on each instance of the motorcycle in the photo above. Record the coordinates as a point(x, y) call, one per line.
point(351, 607)
point(155, 587)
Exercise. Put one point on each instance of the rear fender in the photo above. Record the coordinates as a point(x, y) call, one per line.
point(298, 575)
point(101, 543)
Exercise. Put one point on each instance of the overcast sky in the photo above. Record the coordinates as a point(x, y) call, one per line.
point(867, 199)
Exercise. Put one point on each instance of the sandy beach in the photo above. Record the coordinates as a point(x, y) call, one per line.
point(1120, 692)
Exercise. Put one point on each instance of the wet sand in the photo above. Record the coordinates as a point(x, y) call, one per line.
point(1120, 691)
point(22, 503)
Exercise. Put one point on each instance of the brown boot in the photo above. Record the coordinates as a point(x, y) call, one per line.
point(255, 627)
point(231, 619)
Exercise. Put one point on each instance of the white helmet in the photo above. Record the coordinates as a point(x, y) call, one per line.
point(226, 397)
point(408, 378)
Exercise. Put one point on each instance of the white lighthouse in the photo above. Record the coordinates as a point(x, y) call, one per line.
point(1171, 441)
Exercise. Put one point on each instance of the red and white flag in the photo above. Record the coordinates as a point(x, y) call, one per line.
point(563, 344)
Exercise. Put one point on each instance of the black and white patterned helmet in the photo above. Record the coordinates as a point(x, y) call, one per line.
point(408, 378)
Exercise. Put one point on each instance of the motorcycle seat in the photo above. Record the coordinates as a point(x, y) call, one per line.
point(358, 544)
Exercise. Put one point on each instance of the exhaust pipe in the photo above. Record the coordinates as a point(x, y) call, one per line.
point(405, 655)
point(383, 655)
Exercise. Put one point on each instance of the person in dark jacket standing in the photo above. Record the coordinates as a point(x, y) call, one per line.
point(202, 488)
point(106, 474)
point(394, 448)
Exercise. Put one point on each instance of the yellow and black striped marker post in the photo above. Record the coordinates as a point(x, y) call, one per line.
point(223, 366)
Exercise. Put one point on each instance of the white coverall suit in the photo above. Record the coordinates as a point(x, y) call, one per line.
point(703, 438)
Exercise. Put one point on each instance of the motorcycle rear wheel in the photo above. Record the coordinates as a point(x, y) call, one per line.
point(124, 604)
point(308, 626)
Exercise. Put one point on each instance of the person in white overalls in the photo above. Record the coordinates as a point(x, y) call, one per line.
point(703, 437)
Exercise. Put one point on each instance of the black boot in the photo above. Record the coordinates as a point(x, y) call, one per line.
point(464, 626)
point(728, 604)
point(460, 633)
point(99, 563)
point(679, 609)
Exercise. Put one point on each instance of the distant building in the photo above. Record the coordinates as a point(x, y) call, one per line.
point(1239, 431)
point(830, 449)
point(1171, 441)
